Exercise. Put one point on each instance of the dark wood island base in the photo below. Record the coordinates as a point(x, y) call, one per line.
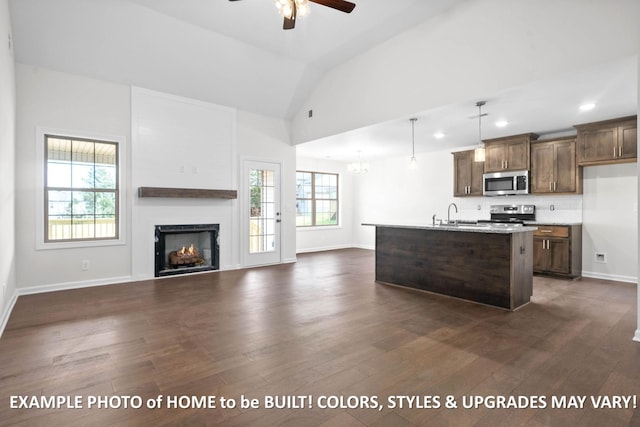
point(492, 267)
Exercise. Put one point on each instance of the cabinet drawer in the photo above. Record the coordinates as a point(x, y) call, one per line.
point(552, 231)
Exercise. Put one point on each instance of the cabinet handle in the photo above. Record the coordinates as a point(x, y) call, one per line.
point(555, 186)
point(550, 186)
point(620, 151)
point(546, 231)
point(614, 152)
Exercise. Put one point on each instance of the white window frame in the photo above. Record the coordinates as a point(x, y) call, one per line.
point(338, 200)
point(41, 243)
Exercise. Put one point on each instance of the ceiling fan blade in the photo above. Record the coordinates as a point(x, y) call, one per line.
point(341, 5)
point(290, 23)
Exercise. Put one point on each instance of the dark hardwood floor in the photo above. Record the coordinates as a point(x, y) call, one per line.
point(319, 327)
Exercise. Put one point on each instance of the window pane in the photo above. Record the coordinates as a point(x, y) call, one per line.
point(303, 185)
point(59, 203)
point(105, 204)
point(59, 227)
point(58, 174)
point(303, 213)
point(83, 203)
point(326, 212)
point(105, 176)
point(82, 175)
point(81, 166)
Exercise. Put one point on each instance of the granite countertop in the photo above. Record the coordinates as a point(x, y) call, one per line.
point(470, 228)
point(565, 223)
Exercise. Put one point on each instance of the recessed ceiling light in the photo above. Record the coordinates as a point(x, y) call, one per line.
point(588, 106)
point(439, 135)
point(502, 123)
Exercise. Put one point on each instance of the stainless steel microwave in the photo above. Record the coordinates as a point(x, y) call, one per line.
point(505, 183)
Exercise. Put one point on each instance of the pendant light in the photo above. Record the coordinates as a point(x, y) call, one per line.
point(414, 162)
point(478, 153)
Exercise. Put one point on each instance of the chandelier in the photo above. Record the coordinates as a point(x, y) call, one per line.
point(358, 167)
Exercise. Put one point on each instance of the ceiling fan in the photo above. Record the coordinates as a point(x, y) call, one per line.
point(291, 9)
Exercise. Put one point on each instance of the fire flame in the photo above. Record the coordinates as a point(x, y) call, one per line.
point(190, 251)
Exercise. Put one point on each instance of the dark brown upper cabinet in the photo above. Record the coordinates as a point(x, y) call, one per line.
point(554, 168)
point(510, 153)
point(467, 174)
point(609, 141)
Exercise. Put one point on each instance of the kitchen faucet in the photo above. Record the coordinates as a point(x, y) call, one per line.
point(449, 212)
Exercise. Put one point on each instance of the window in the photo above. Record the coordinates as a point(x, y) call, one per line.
point(316, 199)
point(81, 189)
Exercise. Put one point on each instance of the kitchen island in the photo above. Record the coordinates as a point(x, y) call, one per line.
point(487, 264)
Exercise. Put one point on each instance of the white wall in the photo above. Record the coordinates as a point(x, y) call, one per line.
point(393, 193)
point(311, 239)
point(266, 138)
point(7, 170)
point(47, 98)
point(51, 99)
point(610, 222)
point(479, 48)
point(178, 142)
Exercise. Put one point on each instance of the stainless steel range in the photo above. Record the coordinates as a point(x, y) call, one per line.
point(511, 214)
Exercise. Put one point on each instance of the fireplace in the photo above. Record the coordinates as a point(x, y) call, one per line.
point(183, 249)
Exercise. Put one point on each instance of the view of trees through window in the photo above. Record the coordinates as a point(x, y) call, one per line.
point(316, 199)
point(81, 189)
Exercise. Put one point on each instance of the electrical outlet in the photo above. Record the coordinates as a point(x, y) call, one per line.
point(85, 265)
point(600, 257)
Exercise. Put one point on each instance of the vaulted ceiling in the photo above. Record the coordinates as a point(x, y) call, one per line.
point(230, 53)
point(236, 54)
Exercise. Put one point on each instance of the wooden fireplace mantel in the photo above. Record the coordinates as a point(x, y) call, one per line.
point(189, 193)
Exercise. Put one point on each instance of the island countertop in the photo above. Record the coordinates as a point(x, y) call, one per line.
point(472, 228)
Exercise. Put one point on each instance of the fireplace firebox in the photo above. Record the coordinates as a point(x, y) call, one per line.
point(183, 249)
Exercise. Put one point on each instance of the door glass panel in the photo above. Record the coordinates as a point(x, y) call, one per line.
point(262, 211)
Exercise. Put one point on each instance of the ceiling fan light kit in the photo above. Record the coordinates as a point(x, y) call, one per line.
point(291, 9)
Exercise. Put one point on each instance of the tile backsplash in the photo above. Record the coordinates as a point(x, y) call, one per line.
point(552, 209)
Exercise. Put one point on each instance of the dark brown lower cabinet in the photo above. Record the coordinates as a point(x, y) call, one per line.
point(557, 250)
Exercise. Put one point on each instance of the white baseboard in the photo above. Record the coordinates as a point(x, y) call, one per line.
point(7, 312)
point(636, 337)
point(323, 248)
point(614, 277)
point(368, 247)
point(289, 260)
point(73, 285)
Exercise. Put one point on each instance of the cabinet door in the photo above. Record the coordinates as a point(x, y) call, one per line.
point(559, 256)
point(517, 156)
point(542, 167)
point(540, 256)
point(495, 156)
point(597, 145)
point(467, 174)
point(461, 173)
point(565, 172)
point(628, 141)
point(477, 170)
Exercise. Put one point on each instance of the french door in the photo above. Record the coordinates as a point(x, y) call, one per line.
point(262, 216)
